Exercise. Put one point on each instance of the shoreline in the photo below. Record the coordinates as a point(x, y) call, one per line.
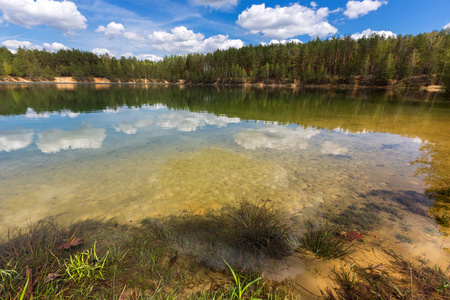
point(104, 81)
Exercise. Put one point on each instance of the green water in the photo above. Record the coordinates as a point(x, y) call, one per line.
point(130, 151)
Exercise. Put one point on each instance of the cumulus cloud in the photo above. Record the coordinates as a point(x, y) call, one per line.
point(55, 46)
point(369, 32)
point(283, 42)
point(62, 15)
point(276, 137)
point(151, 57)
point(333, 149)
point(68, 113)
point(133, 36)
point(13, 45)
point(101, 51)
point(446, 27)
point(217, 3)
point(356, 9)
point(111, 30)
point(182, 40)
point(15, 139)
point(55, 140)
point(287, 21)
point(187, 121)
point(34, 115)
point(131, 128)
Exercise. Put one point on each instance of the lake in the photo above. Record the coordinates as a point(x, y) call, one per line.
point(132, 151)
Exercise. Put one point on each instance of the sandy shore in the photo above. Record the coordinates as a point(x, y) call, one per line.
point(97, 80)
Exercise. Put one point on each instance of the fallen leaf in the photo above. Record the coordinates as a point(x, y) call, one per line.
point(51, 277)
point(71, 243)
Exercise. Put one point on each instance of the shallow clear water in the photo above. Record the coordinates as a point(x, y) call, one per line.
point(128, 152)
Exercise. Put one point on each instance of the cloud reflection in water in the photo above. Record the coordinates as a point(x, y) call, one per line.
point(15, 139)
point(276, 137)
point(188, 121)
point(55, 140)
point(131, 128)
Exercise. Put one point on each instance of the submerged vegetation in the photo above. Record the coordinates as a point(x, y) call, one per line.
point(326, 242)
point(415, 60)
point(410, 281)
point(215, 255)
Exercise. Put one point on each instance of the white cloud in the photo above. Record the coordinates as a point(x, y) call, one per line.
point(187, 121)
point(131, 128)
point(128, 54)
point(217, 3)
point(143, 56)
point(55, 140)
point(68, 113)
point(126, 128)
point(109, 110)
point(313, 4)
point(446, 27)
point(62, 15)
point(134, 36)
point(149, 57)
point(15, 139)
point(283, 42)
point(276, 137)
point(101, 51)
point(333, 149)
point(219, 121)
point(182, 121)
point(287, 21)
point(157, 106)
point(369, 32)
point(13, 45)
point(34, 115)
point(111, 30)
point(182, 40)
point(55, 46)
point(356, 9)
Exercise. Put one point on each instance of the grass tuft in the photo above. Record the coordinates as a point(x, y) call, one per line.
point(324, 241)
point(260, 228)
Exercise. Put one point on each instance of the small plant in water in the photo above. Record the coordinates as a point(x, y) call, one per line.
point(85, 265)
point(259, 228)
point(324, 241)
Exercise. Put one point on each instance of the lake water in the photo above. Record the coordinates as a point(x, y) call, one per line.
point(129, 151)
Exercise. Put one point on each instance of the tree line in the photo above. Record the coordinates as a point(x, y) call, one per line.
point(421, 59)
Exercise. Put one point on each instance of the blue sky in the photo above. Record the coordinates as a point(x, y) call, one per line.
point(151, 29)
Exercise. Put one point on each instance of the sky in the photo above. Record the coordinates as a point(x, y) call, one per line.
point(151, 29)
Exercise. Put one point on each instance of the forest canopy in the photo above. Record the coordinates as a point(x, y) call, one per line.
point(421, 59)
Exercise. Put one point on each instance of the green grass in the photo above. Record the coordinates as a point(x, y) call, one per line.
point(324, 241)
point(85, 266)
point(143, 260)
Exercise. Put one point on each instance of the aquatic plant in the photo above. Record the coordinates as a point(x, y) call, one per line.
point(411, 281)
point(324, 241)
point(362, 219)
point(257, 227)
